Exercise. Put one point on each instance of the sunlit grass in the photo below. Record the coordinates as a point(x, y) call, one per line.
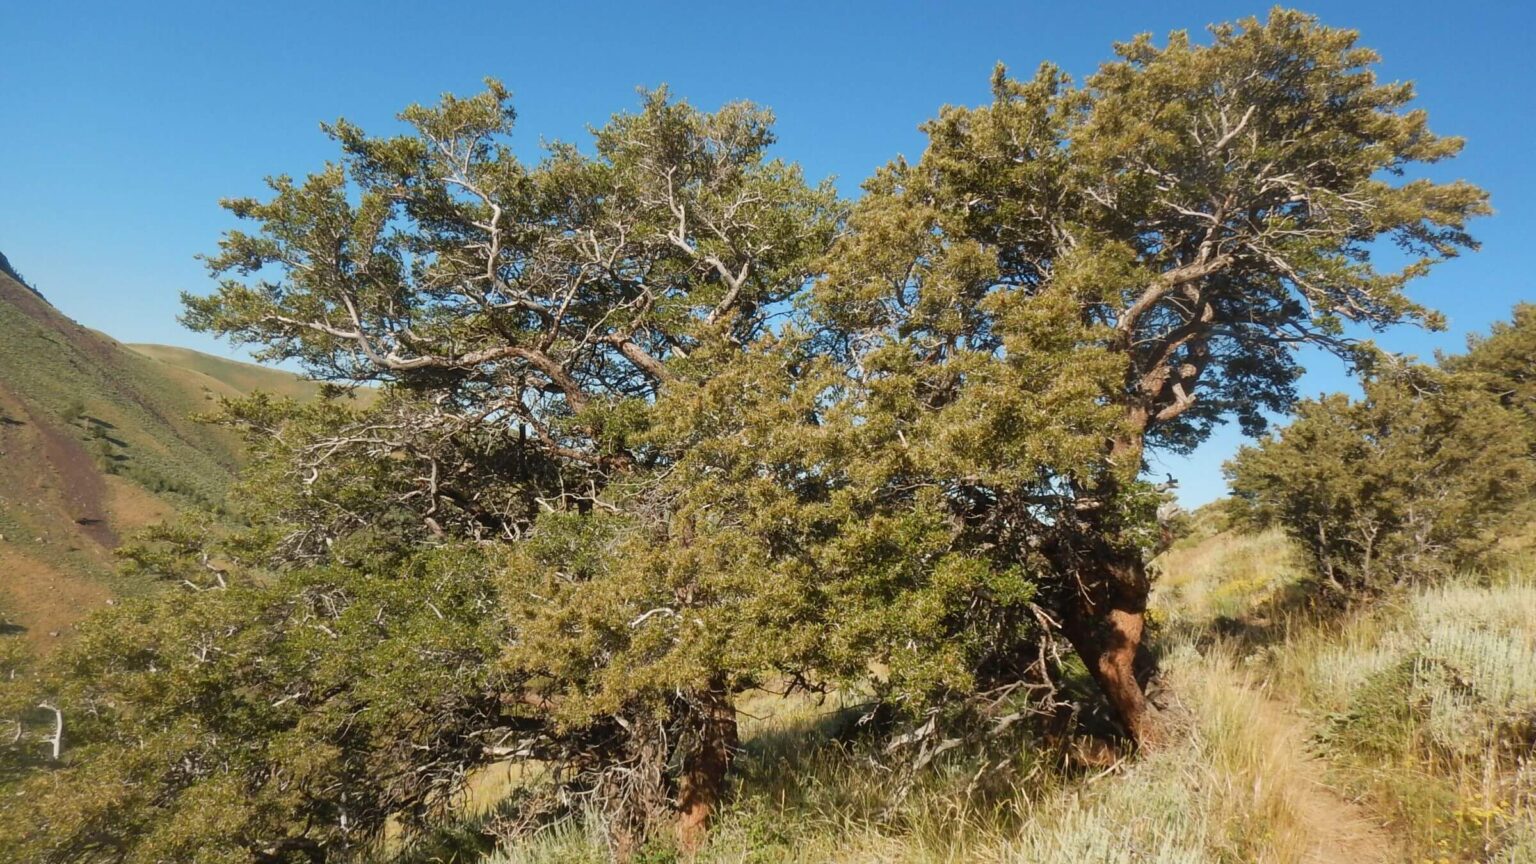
point(1428, 707)
point(1228, 790)
point(1220, 574)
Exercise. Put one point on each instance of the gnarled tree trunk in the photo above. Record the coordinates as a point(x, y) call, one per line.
point(1105, 618)
point(702, 784)
point(1105, 623)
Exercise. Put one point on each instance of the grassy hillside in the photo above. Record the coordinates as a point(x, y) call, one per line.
point(229, 377)
point(97, 440)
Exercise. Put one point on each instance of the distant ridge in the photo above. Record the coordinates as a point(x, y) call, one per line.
point(7, 269)
point(227, 377)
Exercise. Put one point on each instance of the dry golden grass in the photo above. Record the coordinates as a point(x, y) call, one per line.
point(130, 508)
point(1223, 575)
point(1237, 786)
point(43, 598)
point(1288, 746)
point(226, 377)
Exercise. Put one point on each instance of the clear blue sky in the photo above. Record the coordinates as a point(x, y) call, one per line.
point(122, 124)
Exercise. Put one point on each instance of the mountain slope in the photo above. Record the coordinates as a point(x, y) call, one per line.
point(97, 440)
point(228, 377)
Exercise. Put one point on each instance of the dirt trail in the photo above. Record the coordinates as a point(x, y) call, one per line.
point(1339, 830)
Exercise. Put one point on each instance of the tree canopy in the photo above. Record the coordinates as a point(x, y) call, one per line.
point(1163, 237)
point(663, 422)
point(1424, 474)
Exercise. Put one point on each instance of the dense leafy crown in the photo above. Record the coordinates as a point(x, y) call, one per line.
point(1504, 361)
point(527, 314)
point(1202, 209)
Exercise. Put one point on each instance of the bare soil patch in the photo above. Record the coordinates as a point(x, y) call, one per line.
point(45, 600)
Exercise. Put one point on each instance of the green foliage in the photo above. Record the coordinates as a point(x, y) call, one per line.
point(834, 493)
point(74, 410)
point(275, 722)
point(9, 270)
point(1421, 476)
point(106, 457)
point(1076, 273)
point(1198, 209)
point(655, 429)
point(1504, 361)
point(525, 320)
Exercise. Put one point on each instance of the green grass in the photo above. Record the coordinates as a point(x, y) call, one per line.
point(1225, 576)
point(230, 377)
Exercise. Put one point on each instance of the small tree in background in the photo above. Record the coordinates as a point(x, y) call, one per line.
point(1504, 361)
point(74, 410)
point(105, 455)
point(1419, 477)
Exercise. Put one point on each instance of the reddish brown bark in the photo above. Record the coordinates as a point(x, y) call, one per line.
point(702, 784)
point(1105, 626)
point(1106, 617)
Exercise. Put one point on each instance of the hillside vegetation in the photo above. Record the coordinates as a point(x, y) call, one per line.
point(97, 440)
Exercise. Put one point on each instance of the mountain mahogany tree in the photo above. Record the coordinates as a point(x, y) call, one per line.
point(860, 480)
point(525, 321)
point(1424, 474)
point(1420, 477)
point(1191, 214)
